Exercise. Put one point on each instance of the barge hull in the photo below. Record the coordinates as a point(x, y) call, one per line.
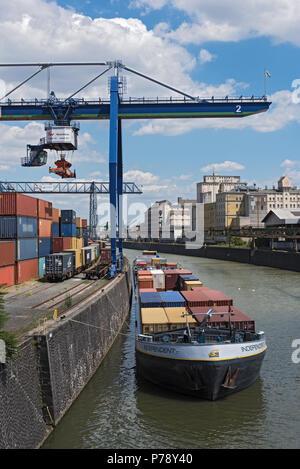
point(202, 379)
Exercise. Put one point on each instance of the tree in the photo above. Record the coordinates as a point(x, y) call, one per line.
point(10, 339)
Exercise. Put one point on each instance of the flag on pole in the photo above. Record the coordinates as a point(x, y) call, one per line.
point(267, 74)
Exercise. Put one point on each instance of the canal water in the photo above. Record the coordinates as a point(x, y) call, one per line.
point(115, 411)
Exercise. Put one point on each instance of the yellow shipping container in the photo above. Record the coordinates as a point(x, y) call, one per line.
point(79, 243)
point(155, 260)
point(189, 284)
point(73, 243)
point(154, 320)
point(175, 318)
point(78, 256)
point(78, 222)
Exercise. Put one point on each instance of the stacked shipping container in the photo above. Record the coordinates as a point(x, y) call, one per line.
point(30, 230)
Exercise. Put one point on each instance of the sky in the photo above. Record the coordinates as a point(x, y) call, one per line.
point(202, 47)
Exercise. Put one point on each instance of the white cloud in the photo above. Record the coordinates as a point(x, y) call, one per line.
point(283, 111)
point(140, 177)
point(290, 163)
point(226, 166)
point(205, 56)
point(233, 20)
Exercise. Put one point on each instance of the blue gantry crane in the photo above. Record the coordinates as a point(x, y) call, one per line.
point(64, 111)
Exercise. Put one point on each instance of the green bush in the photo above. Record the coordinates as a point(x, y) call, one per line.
point(10, 339)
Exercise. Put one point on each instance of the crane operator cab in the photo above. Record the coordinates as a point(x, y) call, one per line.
point(36, 156)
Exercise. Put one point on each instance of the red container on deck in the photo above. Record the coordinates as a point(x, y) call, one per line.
point(18, 204)
point(171, 277)
point(44, 209)
point(55, 215)
point(171, 265)
point(27, 270)
point(196, 298)
point(7, 275)
point(44, 228)
point(61, 243)
point(218, 298)
point(238, 319)
point(144, 273)
point(84, 223)
point(7, 253)
point(145, 282)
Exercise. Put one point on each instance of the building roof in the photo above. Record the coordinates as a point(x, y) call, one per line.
point(283, 216)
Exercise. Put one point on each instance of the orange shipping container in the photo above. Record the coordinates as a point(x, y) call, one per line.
point(7, 275)
point(145, 282)
point(27, 270)
point(44, 209)
point(55, 215)
point(7, 253)
point(45, 228)
point(18, 204)
point(144, 273)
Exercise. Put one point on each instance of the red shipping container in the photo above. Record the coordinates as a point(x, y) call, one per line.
point(7, 275)
point(55, 215)
point(218, 298)
point(44, 209)
point(171, 265)
point(222, 319)
point(196, 298)
point(84, 223)
point(145, 282)
point(171, 277)
point(7, 252)
point(18, 204)
point(60, 244)
point(44, 228)
point(144, 273)
point(27, 270)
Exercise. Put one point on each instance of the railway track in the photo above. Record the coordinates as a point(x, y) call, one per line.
point(60, 297)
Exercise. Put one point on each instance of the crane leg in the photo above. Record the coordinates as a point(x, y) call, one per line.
point(120, 191)
point(113, 160)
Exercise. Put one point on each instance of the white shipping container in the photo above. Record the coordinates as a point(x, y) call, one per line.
point(158, 278)
point(59, 135)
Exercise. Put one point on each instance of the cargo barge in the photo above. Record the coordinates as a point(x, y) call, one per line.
point(192, 339)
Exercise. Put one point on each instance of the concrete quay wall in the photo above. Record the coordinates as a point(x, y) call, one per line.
point(52, 367)
point(277, 259)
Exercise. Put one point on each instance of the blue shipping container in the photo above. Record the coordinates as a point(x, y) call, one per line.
point(27, 248)
point(150, 300)
point(68, 216)
point(68, 230)
point(172, 299)
point(42, 266)
point(8, 228)
point(55, 230)
point(45, 246)
point(18, 227)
